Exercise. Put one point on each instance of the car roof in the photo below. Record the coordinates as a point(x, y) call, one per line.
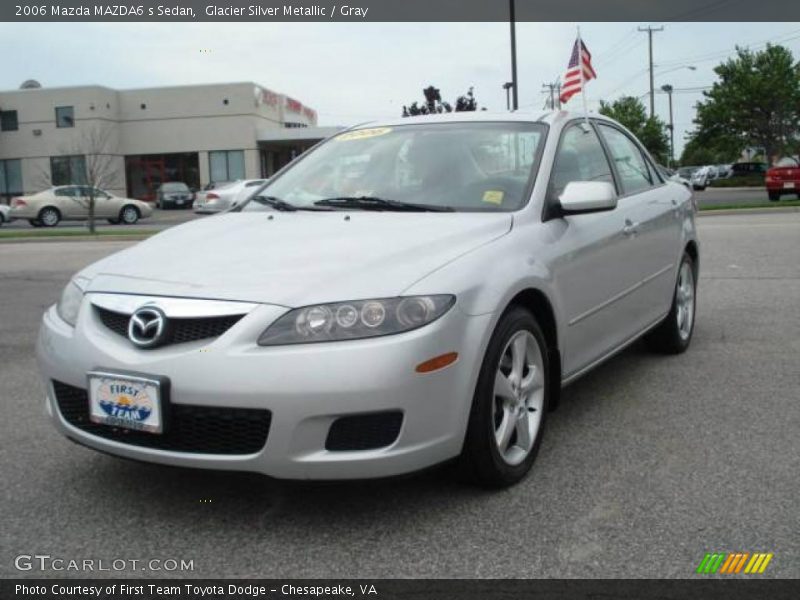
point(481, 116)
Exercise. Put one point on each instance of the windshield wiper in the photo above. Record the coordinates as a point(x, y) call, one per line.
point(374, 203)
point(274, 202)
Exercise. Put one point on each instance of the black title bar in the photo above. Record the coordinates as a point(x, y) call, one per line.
point(400, 10)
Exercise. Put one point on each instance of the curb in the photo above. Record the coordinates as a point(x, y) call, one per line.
point(748, 211)
point(74, 238)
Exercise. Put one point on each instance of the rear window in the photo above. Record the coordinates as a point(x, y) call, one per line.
point(175, 187)
point(787, 161)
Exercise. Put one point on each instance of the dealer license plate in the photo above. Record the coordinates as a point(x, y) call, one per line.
point(788, 184)
point(126, 401)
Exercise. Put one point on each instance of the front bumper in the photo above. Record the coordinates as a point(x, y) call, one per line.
point(306, 388)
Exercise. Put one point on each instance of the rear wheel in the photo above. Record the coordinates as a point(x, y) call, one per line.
point(49, 216)
point(129, 214)
point(774, 196)
point(674, 333)
point(510, 403)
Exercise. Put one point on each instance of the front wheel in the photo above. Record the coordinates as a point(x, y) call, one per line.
point(129, 215)
point(510, 403)
point(674, 333)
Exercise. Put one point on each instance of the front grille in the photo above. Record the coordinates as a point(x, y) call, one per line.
point(364, 432)
point(190, 428)
point(181, 330)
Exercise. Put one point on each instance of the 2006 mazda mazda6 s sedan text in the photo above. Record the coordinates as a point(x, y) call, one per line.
point(403, 294)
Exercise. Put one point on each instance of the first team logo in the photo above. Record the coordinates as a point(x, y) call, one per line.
point(125, 402)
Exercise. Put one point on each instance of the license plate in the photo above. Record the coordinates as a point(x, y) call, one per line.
point(127, 401)
point(788, 184)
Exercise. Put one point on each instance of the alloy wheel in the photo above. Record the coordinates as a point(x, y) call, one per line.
point(684, 300)
point(518, 397)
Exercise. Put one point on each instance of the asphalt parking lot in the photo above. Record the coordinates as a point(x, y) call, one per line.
point(649, 462)
point(163, 219)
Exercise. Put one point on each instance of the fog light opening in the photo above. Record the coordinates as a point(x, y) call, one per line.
point(438, 362)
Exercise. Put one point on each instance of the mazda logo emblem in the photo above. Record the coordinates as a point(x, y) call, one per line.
point(147, 327)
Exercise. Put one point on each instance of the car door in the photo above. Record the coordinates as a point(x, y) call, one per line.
point(105, 205)
point(652, 210)
point(593, 272)
point(70, 202)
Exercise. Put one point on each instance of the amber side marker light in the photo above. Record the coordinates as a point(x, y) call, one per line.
point(438, 362)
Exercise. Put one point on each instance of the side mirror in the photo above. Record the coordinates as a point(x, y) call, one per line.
point(587, 196)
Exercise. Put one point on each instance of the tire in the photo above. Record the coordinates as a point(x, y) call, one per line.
point(34, 223)
point(482, 461)
point(674, 334)
point(49, 216)
point(129, 214)
point(774, 196)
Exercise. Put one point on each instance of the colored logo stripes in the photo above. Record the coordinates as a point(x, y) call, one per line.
point(731, 563)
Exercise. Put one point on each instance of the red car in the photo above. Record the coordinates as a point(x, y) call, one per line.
point(783, 178)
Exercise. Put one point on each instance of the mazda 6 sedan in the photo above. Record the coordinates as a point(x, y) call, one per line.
point(405, 294)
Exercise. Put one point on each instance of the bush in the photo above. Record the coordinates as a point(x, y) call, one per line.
point(754, 180)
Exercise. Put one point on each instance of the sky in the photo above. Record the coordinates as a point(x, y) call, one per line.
point(355, 72)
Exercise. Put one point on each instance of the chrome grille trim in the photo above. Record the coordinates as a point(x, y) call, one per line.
point(175, 308)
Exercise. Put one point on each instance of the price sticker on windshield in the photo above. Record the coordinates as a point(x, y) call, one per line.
point(362, 134)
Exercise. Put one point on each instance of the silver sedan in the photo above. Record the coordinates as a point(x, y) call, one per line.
point(404, 294)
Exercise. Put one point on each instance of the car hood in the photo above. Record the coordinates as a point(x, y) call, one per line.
point(297, 258)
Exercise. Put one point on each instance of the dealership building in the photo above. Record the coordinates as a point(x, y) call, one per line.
point(194, 134)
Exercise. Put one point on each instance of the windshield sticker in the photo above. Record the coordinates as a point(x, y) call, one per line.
point(362, 134)
point(493, 196)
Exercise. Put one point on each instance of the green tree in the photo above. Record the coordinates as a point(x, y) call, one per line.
point(434, 104)
point(651, 131)
point(755, 102)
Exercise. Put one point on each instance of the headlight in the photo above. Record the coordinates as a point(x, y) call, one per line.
point(355, 320)
point(70, 302)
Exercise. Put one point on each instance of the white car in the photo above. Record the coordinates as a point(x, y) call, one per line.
point(71, 203)
point(5, 213)
point(226, 196)
point(703, 177)
point(405, 293)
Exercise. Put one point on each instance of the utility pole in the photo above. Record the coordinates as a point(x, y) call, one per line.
point(668, 89)
point(511, 14)
point(554, 89)
point(650, 31)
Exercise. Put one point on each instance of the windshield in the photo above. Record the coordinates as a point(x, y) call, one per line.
point(460, 166)
point(786, 162)
point(175, 187)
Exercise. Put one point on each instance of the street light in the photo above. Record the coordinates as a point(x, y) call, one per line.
point(512, 21)
point(507, 87)
point(668, 89)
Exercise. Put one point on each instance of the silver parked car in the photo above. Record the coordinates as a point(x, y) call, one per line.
point(404, 294)
point(226, 196)
point(72, 202)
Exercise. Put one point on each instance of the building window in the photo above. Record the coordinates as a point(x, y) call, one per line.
point(65, 116)
point(226, 165)
point(8, 120)
point(10, 178)
point(68, 170)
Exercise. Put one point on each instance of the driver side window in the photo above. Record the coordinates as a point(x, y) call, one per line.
point(580, 157)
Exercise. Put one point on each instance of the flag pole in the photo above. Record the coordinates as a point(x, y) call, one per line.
point(583, 82)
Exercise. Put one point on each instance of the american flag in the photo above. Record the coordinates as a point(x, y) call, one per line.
point(573, 82)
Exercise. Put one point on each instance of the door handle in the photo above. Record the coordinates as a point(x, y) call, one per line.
point(630, 228)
